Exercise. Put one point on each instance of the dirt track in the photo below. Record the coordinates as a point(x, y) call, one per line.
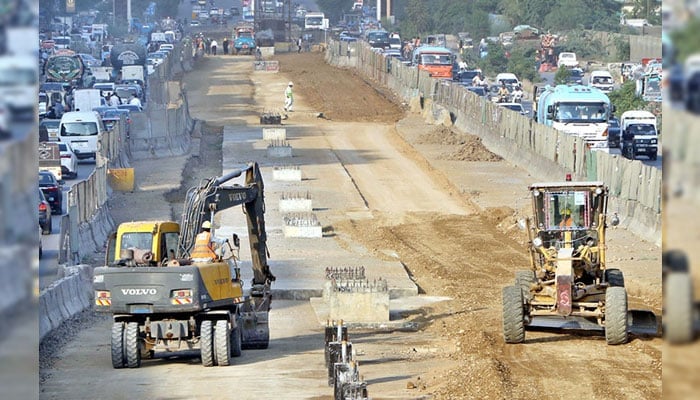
point(455, 240)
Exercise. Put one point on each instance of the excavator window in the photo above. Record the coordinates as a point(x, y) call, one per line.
point(138, 240)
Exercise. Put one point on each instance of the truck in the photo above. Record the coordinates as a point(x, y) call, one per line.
point(65, 67)
point(602, 80)
point(127, 54)
point(436, 60)
point(576, 110)
point(133, 74)
point(86, 99)
point(18, 89)
point(315, 21)
point(243, 39)
point(639, 134)
point(164, 301)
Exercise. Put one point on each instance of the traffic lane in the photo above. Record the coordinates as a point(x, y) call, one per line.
point(48, 264)
point(643, 159)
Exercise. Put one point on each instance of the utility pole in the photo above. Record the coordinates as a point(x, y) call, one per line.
point(379, 11)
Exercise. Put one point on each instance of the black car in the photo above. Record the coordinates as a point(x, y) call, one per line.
point(575, 76)
point(465, 76)
point(614, 133)
point(53, 191)
point(44, 214)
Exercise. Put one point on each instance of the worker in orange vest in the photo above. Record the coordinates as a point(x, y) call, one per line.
point(204, 245)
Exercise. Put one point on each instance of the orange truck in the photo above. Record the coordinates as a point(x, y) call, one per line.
point(436, 60)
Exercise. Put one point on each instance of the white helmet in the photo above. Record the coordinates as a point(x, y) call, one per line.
point(291, 84)
point(206, 225)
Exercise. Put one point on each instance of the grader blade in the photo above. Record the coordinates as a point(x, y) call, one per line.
point(643, 323)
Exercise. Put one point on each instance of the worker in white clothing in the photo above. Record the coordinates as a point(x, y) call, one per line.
point(289, 97)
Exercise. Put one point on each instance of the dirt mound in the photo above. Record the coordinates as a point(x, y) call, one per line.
point(329, 90)
point(442, 135)
point(474, 150)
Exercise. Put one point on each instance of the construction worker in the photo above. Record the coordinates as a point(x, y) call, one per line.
point(566, 221)
point(289, 97)
point(204, 245)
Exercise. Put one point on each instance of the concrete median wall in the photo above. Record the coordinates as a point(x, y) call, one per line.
point(65, 298)
point(541, 150)
point(162, 130)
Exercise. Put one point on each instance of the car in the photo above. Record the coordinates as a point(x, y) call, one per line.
point(395, 41)
point(345, 37)
point(235, 11)
point(131, 107)
point(125, 92)
point(567, 59)
point(89, 61)
point(195, 23)
point(614, 132)
point(69, 161)
point(105, 88)
point(51, 126)
point(575, 76)
point(116, 113)
point(44, 214)
point(5, 131)
point(508, 78)
point(478, 90)
point(466, 76)
point(515, 107)
point(392, 53)
point(53, 191)
point(166, 47)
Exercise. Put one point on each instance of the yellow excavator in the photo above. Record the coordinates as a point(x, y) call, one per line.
point(165, 303)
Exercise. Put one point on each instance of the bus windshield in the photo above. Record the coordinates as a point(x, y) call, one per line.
point(435, 59)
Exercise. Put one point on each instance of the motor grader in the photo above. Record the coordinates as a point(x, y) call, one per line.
point(568, 284)
point(165, 302)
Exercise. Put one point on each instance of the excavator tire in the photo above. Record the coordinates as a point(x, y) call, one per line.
point(614, 277)
point(513, 315)
point(206, 339)
point(131, 345)
point(118, 354)
point(222, 343)
point(678, 308)
point(236, 342)
point(524, 279)
point(616, 315)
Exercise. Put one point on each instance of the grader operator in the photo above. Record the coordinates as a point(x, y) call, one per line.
point(569, 284)
point(169, 296)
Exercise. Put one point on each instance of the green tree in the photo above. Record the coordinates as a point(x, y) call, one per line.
point(418, 17)
point(562, 76)
point(334, 9)
point(495, 61)
point(625, 98)
point(522, 64)
point(685, 40)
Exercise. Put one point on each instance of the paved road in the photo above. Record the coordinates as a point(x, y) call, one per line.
point(48, 264)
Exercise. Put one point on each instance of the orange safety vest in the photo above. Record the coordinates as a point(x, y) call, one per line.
point(569, 222)
point(203, 247)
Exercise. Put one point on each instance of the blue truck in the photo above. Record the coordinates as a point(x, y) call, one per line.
point(576, 110)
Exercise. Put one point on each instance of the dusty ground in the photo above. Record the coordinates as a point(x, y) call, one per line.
point(470, 258)
point(438, 201)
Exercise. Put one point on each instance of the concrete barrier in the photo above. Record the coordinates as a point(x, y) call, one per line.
point(65, 298)
point(295, 203)
point(302, 225)
point(279, 149)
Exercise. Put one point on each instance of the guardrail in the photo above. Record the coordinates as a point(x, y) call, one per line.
point(542, 150)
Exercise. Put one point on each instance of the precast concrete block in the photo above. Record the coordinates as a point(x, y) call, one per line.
point(274, 133)
point(279, 149)
point(359, 307)
point(287, 174)
point(44, 320)
point(302, 225)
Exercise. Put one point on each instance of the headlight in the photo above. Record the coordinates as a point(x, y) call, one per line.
point(537, 242)
point(653, 141)
point(98, 279)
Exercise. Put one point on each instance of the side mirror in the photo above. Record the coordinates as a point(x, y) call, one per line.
point(236, 241)
point(550, 109)
point(614, 109)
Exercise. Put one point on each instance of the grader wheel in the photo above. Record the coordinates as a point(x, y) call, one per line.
point(513, 315)
point(616, 315)
point(678, 308)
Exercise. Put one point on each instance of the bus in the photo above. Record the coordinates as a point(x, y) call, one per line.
point(315, 20)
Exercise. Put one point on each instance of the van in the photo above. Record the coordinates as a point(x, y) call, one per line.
point(82, 129)
point(601, 80)
point(87, 99)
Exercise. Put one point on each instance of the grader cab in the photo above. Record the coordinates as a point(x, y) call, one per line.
point(568, 284)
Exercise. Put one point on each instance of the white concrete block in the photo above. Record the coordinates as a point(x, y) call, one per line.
point(279, 151)
point(359, 307)
point(274, 133)
point(291, 231)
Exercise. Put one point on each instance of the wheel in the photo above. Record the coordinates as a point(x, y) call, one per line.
point(49, 229)
point(616, 315)
point(513, 315)
point(678, 307)
point(46, 228)
point(131, 345)
point(524, 279)
point(222, 343)
point(236, 342)
point(205, 340)
point(118, 355)
point(614, 277)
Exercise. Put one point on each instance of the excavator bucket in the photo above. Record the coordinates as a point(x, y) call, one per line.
point(256, 331)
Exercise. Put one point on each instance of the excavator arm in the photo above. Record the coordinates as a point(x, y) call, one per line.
point(211, 196)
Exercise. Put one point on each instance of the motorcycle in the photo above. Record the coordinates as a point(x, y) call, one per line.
point(517, 96)
point(503, 98)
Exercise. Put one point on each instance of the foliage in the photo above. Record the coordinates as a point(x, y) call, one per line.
point(622, 48)
point(334, 9)
point(626, 99)
point(562, 76)
point(685, 40)
point(521, 63)
point(562, 15)
point(583, 44)
point(495, 61)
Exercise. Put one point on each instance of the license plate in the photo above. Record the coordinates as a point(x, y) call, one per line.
point(50, 198)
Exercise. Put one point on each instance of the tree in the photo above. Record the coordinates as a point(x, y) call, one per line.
point(522, 64)
point(626, 98)
point(418, 17)
point(562, 76)
point(495, 61)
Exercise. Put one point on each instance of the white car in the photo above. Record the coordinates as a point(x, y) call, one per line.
point(69, 162)
point(508, 78)
point(514, 106)
point(567, 59)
